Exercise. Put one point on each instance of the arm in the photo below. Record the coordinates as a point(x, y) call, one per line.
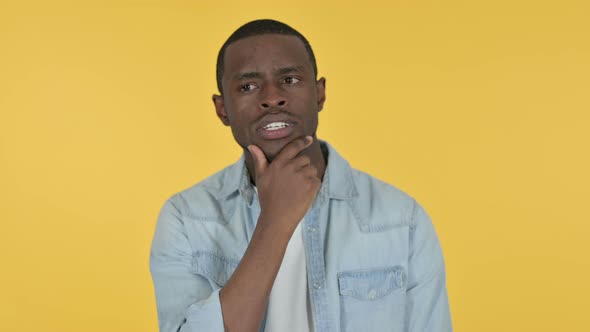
point(245, 296)
point(286, 188)
point(188, 302)
point(428, 307)
point(184, 299)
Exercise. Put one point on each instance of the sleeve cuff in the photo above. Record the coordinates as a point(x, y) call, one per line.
point(206, 315)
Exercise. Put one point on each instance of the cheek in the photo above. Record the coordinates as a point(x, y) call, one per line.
point(240, 122)
point(235, 112)
point(311, 100)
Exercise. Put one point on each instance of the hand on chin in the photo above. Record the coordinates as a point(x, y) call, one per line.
point(272, 148)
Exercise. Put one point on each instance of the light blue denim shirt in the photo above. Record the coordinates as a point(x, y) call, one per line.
point(374, 262)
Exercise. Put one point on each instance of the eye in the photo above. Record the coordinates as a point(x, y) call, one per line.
point(290, 80)
point(247, 87)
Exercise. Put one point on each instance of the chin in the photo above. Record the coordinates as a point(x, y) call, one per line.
point(271, 153)
point(273, 148)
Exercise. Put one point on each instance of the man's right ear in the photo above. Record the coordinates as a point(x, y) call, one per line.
point(220, 109)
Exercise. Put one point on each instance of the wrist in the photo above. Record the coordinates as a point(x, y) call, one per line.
point(281, 226)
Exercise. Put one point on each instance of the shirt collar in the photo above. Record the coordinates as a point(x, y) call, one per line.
point(338, 178)
point(337, 184)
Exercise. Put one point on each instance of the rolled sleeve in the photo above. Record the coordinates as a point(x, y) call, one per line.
point(428, 305)
point(206, 315)
point(185, 300)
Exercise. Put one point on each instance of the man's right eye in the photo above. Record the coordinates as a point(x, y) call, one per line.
point(247, 87)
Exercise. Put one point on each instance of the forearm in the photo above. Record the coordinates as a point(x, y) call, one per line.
point(286, 189)
point(245, 296)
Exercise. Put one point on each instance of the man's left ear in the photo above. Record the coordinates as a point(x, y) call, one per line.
point(321, 92)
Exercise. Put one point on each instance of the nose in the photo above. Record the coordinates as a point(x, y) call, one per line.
point(273, 98)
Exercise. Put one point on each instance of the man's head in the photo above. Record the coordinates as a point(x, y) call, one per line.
point(256, 28)
point(266, 74)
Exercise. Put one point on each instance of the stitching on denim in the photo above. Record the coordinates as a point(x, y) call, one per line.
point(356, 214)
point(382, 227)
point(208, 219)
point(171, 202)
point(370, 227)
point(383, 270)
point(413, 211)
point(346, 278)
point(186, 212)
point(184, 203)
point(208, 263)
point(216, 256)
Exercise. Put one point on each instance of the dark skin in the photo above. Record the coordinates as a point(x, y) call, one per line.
point(269, 78)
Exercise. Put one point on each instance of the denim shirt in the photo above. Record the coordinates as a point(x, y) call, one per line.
point(374, 262)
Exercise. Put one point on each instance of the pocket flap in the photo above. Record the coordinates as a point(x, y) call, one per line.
point(371, 284)
point(213, 266)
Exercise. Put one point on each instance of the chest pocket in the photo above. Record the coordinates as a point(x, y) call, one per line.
point(372, 300)
point(216, 268)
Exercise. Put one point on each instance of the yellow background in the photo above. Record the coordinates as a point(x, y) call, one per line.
point(479, 109)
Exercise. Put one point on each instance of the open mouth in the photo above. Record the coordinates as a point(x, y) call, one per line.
point(276, 130)
point(275, 126)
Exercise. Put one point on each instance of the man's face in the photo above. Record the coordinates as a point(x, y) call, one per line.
point(270, 95)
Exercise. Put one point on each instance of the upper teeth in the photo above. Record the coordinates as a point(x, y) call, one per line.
point(275, 125)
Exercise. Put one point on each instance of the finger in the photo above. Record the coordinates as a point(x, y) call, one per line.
point(292, 149)
point(260, 162)
point(301, 161)
point(309, 171)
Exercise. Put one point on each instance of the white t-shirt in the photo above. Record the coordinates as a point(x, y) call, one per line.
point(289, 307)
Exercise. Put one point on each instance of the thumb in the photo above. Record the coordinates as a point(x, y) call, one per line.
point(260, 162)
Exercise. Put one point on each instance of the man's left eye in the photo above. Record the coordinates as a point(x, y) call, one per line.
point(290, 80)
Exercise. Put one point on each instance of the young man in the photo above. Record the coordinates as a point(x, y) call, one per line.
point(291, 238)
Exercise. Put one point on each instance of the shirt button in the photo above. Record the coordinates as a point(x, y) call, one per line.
point(311, 229)
point(372, 294)
point(317, 285)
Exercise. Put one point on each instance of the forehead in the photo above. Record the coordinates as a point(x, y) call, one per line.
point(265, 53)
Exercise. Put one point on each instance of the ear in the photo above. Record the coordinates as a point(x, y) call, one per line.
point(220, 109)
point(321, 92)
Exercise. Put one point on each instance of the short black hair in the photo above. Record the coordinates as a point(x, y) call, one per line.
point(261, 27)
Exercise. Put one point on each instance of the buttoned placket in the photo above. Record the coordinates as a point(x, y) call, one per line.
point(316, 271)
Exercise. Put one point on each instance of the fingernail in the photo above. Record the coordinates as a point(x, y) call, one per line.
point(308, 138)
point(249, 148)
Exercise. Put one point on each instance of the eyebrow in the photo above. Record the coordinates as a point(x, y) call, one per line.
point(247, 75)
point(279, 72)
point(291, 69)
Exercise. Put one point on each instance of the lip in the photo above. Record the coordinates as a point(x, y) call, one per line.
point(270, 119)
point(278, 133)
